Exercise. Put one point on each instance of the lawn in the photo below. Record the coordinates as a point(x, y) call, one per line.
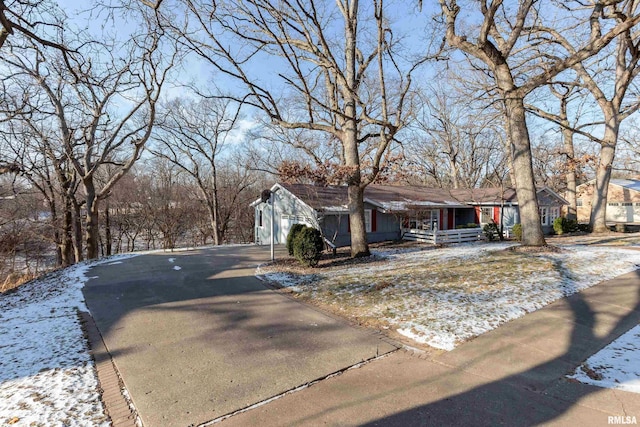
point(443, 297)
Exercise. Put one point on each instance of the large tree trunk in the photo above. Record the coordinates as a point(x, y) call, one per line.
point(598, 220)
point(359, 246)
point(355, 190)
point(532, 234)
point(355, 193)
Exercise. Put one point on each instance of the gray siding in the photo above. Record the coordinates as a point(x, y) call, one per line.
point(510, 216)
point(336, 229)
point(288, 210)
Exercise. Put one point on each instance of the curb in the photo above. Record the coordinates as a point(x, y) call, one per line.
point(111, 387)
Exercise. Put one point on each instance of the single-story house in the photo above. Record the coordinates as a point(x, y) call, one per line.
point(623, 201)
point(391, 209)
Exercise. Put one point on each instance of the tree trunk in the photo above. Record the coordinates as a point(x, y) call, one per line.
point(355, 194)
point(359, 246)
point(453, 164)
point(58, 236)
point(532, 234)
point(91, 222)
point(567, 136)
point(107, 230)
point(598, 220)
point(77, 231)
point(66, 246)
point(355, 190)
point(213, 222)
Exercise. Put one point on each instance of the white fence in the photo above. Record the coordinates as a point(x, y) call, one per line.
point(444, 236)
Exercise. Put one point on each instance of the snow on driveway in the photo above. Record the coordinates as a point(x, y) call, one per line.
point(47, 376)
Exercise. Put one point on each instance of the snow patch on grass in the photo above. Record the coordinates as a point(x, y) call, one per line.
point(446, 296)
point(615, 366)
point(47, 376)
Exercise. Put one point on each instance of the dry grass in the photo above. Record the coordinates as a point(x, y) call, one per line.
point(446, 295)
point(14, 280)
point(610, 238)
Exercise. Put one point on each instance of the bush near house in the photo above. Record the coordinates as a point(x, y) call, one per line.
point(307, 246)
point(293, 232)
point(563, 225)
point(491, 231)
point(517, 232)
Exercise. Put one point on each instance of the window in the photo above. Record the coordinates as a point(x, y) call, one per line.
point(579, 203)
point(260, 218)
point(553, 214)
point(426, 220)
point(638, 204)
point(367, 220)
point(613, 204)
point(627, 204)
point(544, 216)
point(486, 215)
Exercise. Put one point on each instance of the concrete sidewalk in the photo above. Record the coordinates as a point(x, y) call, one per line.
point(514, 375)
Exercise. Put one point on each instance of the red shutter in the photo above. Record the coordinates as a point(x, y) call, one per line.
point(441, 222)
point(496, 214)
point(374, 220)
point(477, 211)
point(348, 224)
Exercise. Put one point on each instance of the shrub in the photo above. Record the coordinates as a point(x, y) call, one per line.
point(517, 232)
point(293, 232)
point(307, 246)
point(584, 227)
point(491, 231)
point(563, 225)
point(558, 225)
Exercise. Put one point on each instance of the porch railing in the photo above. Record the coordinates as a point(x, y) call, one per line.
point(444, 236)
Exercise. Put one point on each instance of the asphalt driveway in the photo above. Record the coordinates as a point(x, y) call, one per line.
point(196, 336)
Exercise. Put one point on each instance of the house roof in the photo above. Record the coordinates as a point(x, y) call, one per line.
point(397, 198)
point(631, 184)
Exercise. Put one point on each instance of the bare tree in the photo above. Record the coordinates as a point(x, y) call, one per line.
point(333, 70)
point(565, 93)
point(629, 161)
point(30, 147)
point(455, 143)
point(193, 136)
point(615, 106)
point(29, 18)
point(104, 110)
point(516, 46)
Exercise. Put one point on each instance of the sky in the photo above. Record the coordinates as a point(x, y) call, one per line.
point(414, 24)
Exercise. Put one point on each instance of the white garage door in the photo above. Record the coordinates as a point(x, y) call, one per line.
point(623, 212)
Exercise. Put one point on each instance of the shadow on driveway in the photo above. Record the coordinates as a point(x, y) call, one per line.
point(195, 343)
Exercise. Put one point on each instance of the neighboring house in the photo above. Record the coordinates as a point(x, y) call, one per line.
point(391, 209)
point(623, 201)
